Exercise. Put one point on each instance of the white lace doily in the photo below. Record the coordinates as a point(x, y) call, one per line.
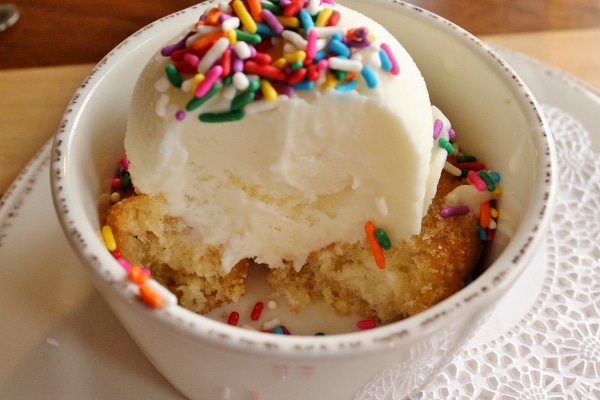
point(554, 351)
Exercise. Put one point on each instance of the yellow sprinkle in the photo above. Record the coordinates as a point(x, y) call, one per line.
point(196, 81)
point(323, 16)
point(299, 55)
point(371, 37)
point(330, 81)
point(109, 239)
point(244, 16)
point(289, 22)
point(498, 190)
point(280, 63)
point(494, 212)
point(268, 90)
point(231, 35)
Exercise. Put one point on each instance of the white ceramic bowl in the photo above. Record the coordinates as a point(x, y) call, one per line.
point(498, 120)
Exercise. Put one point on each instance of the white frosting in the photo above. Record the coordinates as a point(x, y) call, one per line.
point(294, 176)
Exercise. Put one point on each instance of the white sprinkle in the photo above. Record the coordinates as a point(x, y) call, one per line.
point(52, 342)
point(344, 64)
point(230, 23)
point(161, 105)
point(272, 304)
point(314, 6)
point(452, 169)
point(226, 393)
point(224, 7)
point(115, 197)
point(264, 105)
point(250, 328)
point(163, 84)
point(271, 324)
point(229, 92)
point(381, 205)
point(492, 224)
point(329, 31)
point(295, 38)
point(213, 55)
point(242, 50)
point(240, 81)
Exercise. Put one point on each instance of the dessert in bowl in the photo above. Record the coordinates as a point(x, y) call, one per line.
point(497, 119)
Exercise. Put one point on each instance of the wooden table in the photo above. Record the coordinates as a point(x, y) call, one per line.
point(48, 57)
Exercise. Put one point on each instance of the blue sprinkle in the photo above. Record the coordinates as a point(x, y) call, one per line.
point(482, 233)
point(386, 64)
point(264, 29)
point(370, 76)
point(319, 56)
point(495, 176)
point(345, 87)
point(336, 46)
point(278, 330)
point(305, 20)
point(304, 85)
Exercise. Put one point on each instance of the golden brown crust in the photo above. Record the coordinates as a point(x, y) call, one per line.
point(420, 272)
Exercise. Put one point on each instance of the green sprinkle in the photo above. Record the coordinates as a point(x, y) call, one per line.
point(173, 75)
point(198, 101)
point(296, 65)
point(274, 8)
point(491, 185)
point(228, 116)
point(240, 101)
point(319, 334)
point(253, 38)
point(126, 181)
point(254, 85)
point(446, 145)
point(383, 239)
point(461, 159)
point(228, 80)
point(340, 75)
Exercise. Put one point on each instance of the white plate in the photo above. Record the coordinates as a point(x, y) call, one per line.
point(59, 340)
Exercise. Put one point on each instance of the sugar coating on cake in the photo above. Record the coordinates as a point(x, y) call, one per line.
point(270, 137)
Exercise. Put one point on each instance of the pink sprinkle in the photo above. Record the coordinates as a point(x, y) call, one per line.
point(180, 115)
point(192, 59)
point(209, 79)
point(437, 128)
point(146, 271)
point(477, 181)
point(323, 64)
point(124, 263)
point(366, 324)
point(453, 211)
point(311, 44)
point(125, 163)
point(395, 67)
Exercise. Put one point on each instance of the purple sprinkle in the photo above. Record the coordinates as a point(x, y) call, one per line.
point(451, 134)
point(358, 44)
point(237, 64)
point(285, 3)
point(169, 49)
point(180, 115)
point(453, 211)
point(282, 88)
point(272, 21)
point(361, 33)
point(437, 128)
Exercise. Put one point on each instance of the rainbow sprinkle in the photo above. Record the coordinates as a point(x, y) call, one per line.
point(282, 46)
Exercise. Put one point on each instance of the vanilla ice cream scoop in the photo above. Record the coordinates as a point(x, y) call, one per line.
point(270, 163)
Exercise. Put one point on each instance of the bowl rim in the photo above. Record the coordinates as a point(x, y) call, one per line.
point(87, 242)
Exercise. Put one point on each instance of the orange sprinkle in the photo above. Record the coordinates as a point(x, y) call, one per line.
point(212, 18)
point(206, 41)
point(484, 214)
point(375, 246)
point(255, 9)
point(136, 275)
point(150, 297)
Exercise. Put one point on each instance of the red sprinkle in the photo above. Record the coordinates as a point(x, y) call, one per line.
point(266, 71)
point(472, 165)
point(234, 317)
point(366, 324)
point(293, 8)
point(226, 61)
point(256, 311)
point(262, 58)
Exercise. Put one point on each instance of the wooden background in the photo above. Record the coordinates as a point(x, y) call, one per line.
point(80, 31)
